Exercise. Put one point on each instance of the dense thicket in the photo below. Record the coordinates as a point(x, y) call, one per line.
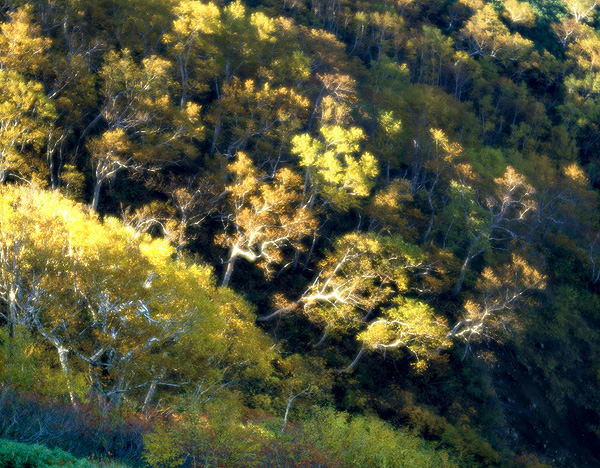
point(224, 212)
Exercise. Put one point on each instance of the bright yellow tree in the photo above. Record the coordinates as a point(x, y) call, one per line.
point(264, 217)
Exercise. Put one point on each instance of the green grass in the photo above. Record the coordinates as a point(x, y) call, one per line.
point(18, 455)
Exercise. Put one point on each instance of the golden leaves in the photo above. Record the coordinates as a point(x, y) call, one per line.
point(25, 113)
point(520, 13)
point(411, 324)
point(575, 175)
point(22, 46)
point(337, 173)
point(503, 295)
point(264, 216)
point(105, 292)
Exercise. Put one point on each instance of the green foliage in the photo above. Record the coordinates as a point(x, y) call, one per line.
point(549, 11)
point(24, 366)
point(408, 175)
point(458, 438)
point(366, 441)
point(487, 161)
point(337, 173)
point(211, 434)
point(18, 455)
point(15, 367)
point(163, 448)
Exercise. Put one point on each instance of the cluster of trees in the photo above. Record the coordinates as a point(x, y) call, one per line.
point(357, 203)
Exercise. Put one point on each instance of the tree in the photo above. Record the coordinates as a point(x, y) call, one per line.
point(74, 94)
point(392, 211)
point(497, 220)
point(567, 31)
point(264, 217)
point(581, 10)
point(353, 293)
point(212, 44)
point(303, 378)
point(195, 200)
point(25, 118)
point(502, 294)
point(389, 135)
point(427, 111)
point(334, 170)
point(388, 32)
point(336, 92)
point(143, 126)
point(483, 31)
point(485, 34)
point(190, 44)
point(433, 57)
point(409, 324)
point(519, 13)
point(114, 305)
point(23, 49)
point(263, 118)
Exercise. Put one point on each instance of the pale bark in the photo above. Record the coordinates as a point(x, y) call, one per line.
point(229, 271)
point(290, 400)
point(353, 364)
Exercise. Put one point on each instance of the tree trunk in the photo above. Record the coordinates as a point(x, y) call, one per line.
point(149, 395)
point(12, 310)
point(287, 412)
point(96, 197)
point(229, 271)
point(115, 398)
point(152, 390)
point(463, 271)
point(353, 363)
point(64, 365)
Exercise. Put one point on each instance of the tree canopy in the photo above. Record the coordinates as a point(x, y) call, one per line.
point(358, 211)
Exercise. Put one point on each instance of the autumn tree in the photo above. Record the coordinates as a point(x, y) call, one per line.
point(580, 10)
point(264, 217)
point(433, 57)
point(519, 13)
point(392, 211)
point(336, 171)
point(142, 125)
point(26, 112)
point(409, 324)
point(264, 118)
point(502, 294)
point(115, 307)
point(189, 42)
point(75, 96)
point(303, 379)
point(23, 48)
point(362, 289)
point(484, 34)
point(483, 31)
point(389, 135)
point(501, 216)
point(25, 118)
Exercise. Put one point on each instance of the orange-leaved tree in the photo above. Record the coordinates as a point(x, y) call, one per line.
point(264, 216)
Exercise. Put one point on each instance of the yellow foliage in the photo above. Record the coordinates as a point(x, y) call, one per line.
point(337, 173)
point(25, 115)
point(575, 175)
point(264, 216)
point(519, 12)
point(110, 291)
point(23, 49)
